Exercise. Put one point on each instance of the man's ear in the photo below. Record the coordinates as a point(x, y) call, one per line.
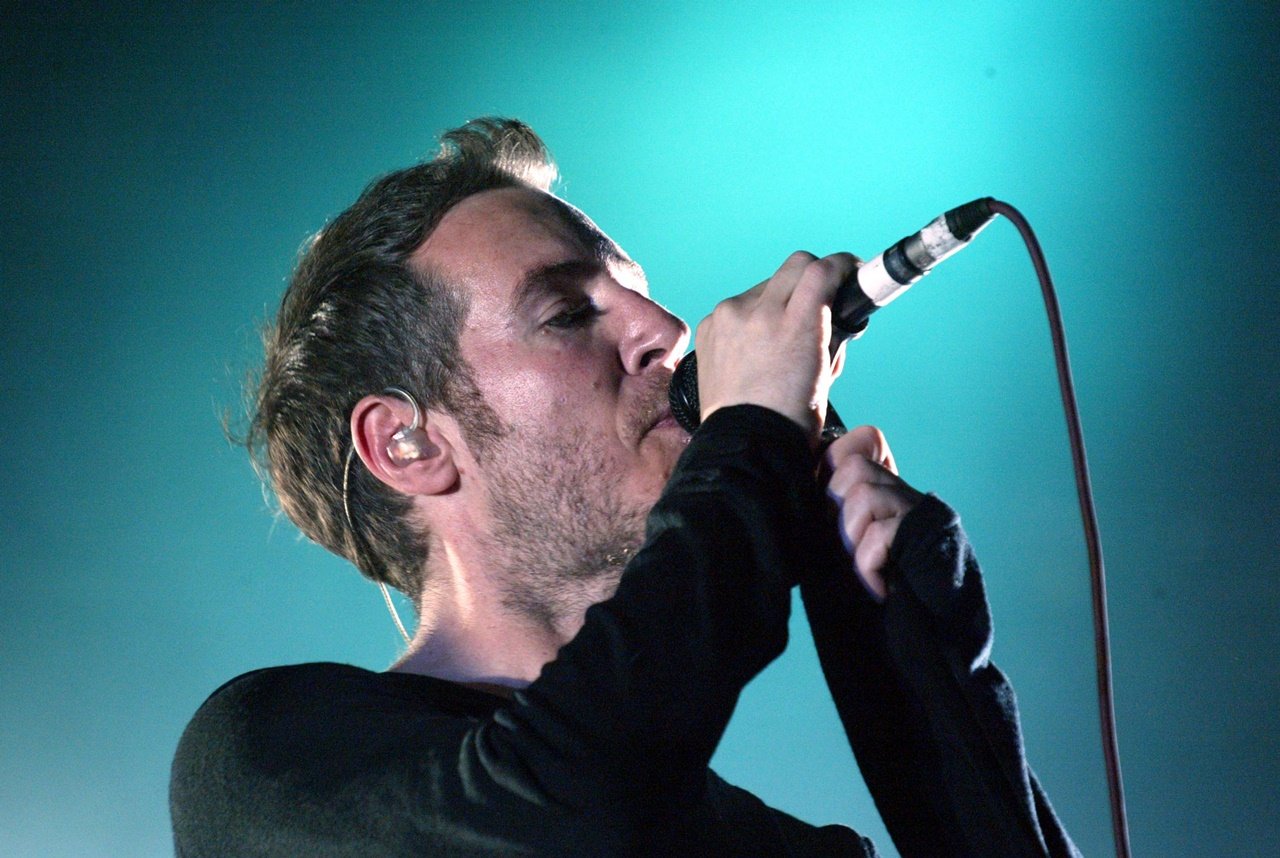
point(412, 461)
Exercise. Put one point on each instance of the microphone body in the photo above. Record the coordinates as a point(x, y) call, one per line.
point(876, 283)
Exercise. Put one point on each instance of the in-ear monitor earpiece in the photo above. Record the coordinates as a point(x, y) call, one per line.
point(407, 444)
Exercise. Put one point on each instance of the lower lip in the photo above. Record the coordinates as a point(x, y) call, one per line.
point(668, 423)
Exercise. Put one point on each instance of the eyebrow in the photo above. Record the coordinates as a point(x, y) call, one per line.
point(558, 278)
point(552, 279)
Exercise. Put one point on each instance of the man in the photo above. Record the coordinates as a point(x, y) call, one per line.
point(465, 394)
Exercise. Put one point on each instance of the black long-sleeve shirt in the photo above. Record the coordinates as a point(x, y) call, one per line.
point(607, 752)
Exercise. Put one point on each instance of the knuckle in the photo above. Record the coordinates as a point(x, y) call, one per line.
point(870, 442)
point(816, 275)
point(821, 267)
point(885, 531)
point(865, 431)
point(725, 310)
point(843, 443)
point(860, 493)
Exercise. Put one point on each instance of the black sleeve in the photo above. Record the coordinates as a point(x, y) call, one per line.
point(932, 722)
point(605, 753)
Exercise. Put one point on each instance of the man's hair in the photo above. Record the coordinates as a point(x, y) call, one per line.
point(356, 318)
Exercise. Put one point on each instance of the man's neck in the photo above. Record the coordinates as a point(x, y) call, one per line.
point(502, 655)
point(467, 634)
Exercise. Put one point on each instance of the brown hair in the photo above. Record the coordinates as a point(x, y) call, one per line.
point(356, 318)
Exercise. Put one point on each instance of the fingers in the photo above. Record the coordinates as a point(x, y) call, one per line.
point(769, 345)
point(865, 441)
point(778, 288)
point(775, 291)
point(805, 277)
point(817, 284)
point(865, 503)
point(870, 514)
point(872, 554)
point(858, 471)
point(872, 501)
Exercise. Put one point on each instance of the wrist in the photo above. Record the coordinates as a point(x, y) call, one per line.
point(807, 420)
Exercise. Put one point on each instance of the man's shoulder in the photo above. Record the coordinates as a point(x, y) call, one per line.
point(258, 711)
point(288, 696)
point(267, 684)
point(316, 722)
point(274, 737)
point(270, 692)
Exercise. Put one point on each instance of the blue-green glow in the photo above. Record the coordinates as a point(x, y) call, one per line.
point(162, 165)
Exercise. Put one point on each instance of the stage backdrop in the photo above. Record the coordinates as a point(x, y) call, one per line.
point(162, 164)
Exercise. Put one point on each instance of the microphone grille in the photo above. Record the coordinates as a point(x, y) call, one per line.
point(683, 393)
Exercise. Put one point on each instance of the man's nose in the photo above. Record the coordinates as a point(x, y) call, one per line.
point(652, 336)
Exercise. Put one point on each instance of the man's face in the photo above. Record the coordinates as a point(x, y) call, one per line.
point(575, 359)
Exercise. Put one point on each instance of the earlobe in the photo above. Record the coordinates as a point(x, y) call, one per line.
point(400, 447)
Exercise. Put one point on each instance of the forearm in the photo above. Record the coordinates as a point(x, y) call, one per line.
point(933, 724)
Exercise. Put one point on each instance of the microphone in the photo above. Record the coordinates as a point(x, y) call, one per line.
point(876, 283)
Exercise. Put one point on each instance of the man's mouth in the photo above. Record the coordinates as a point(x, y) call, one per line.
point(664, 422)
point(656, 414)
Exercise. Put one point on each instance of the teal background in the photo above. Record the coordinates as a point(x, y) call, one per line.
point(162, 165)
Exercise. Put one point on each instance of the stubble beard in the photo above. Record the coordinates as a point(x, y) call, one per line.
point(561, 536)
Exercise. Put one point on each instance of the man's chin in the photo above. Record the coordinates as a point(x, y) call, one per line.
point(661, 454)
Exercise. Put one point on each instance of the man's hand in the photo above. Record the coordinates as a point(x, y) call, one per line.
point(768, 346)
point(871, 498)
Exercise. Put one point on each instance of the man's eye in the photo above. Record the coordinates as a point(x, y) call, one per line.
point(574, 317)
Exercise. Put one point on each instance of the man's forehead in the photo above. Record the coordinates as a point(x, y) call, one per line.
point(506, 228)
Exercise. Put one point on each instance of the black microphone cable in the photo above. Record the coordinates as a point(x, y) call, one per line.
point(882, 280)
point(1093, 541)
